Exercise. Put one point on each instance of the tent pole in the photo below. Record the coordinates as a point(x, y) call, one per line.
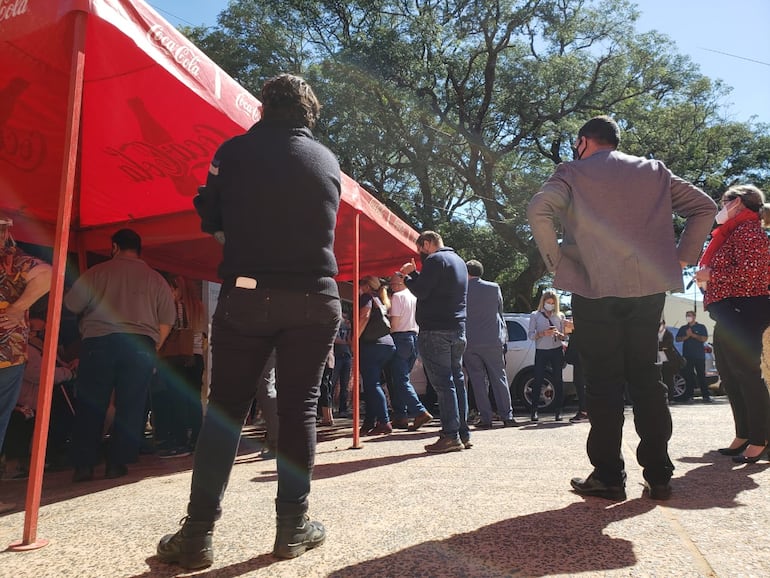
point(29, 540)
point(354, 319)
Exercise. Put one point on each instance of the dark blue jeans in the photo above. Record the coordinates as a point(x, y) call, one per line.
point(248, 324)
point(442, 358)
point(403, 397)
point(553, 358)
point(695, 370)
point(343, 366)
point(121, 363)
point(10, 386)
point(374, 358)
point(180, 380)
point(618, 346)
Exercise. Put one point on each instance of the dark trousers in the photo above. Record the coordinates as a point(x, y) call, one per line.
point(343, 366)
point(177, 399)
point(619, 345)
point(695, 370)
point(738, 350)
point(545, 358)
point(121, 363)
point(248, 324)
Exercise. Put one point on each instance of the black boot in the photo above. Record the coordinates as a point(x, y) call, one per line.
point(533, 414)
point(190, 547)
point(295, 533)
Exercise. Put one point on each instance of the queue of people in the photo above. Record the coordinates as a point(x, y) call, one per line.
point(282, 303)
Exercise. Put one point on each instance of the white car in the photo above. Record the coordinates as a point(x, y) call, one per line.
point(519, 366)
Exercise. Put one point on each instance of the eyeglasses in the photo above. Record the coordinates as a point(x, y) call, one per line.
point(727, 199)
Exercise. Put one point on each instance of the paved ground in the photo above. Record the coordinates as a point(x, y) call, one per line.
point(500, 509)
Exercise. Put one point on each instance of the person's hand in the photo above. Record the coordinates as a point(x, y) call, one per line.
point(10, 317)
point(408, 268)
point(703, 275)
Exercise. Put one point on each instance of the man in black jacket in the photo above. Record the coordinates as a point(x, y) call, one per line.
point(278, 293)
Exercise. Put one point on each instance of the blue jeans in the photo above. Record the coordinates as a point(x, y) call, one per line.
point(343, 366)
point(374, 358)
point(442, 357)
point(10, 386)
point(247, 326)
point(121, 363)
point(403, 397)
point(543, 359)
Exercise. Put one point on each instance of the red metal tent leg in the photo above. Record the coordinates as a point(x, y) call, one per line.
point(29, 539)
point(356, 374)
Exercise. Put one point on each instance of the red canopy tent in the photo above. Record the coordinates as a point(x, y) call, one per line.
point(109, 118)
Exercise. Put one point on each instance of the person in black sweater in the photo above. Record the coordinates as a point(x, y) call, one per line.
point(271, 197)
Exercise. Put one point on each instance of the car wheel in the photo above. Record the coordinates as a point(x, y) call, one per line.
point(680, 385)
point(547, 391)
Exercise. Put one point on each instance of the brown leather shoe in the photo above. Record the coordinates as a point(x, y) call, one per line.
point(400, 423)
point(381, 429)
point(420, 421)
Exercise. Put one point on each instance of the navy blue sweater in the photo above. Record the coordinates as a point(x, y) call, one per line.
point(441, 288)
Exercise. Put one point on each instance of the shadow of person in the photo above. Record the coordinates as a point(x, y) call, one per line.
point(564, 541)
point(715, 484)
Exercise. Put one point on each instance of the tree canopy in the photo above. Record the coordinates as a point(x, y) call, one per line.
point(453, 112)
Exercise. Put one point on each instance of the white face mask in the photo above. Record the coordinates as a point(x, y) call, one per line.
point(722, 216)
point(724, 213)
point(549, 306)
point(690, 319)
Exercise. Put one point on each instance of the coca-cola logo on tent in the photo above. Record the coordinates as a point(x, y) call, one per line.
point(182, 52)
point(12, 8)
point(20, 147)
point(248, 104)
point(144, 161)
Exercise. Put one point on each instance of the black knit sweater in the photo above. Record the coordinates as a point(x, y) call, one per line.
point(274, 192)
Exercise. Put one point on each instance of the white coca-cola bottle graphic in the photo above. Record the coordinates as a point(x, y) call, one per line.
point(155, 135)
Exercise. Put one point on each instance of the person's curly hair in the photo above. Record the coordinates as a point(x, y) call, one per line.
point(289, 98)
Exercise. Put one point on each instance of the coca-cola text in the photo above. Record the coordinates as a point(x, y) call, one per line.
point(145, 161)
point(12, 8)
point(23, 149)
point(183, 53)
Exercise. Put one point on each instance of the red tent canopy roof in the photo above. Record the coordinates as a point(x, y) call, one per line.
point(155, 108)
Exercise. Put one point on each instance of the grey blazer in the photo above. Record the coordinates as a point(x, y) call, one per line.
point(484, 324)
point(618, 235)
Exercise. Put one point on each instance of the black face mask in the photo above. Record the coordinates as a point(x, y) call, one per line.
point(576, 154)
point(423, 256)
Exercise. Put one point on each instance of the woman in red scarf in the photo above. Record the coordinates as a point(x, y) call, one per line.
point(735, 270)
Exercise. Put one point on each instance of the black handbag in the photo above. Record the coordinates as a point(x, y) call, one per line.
point(378, 325)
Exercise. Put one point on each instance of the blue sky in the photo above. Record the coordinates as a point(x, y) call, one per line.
point(727, 39)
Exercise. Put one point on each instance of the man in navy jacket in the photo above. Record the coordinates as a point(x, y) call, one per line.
point(441, 287)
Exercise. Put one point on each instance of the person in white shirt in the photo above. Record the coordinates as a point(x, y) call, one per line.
point(404, 329)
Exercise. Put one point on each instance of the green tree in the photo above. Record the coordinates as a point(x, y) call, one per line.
point(453, 112)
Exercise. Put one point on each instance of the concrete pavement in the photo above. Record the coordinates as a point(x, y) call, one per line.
point(503, 508)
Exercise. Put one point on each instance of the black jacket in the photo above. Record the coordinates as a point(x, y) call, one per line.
point(274, 192)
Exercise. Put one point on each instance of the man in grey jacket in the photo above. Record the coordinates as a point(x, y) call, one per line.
point(484, 356)
point(618, 257)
